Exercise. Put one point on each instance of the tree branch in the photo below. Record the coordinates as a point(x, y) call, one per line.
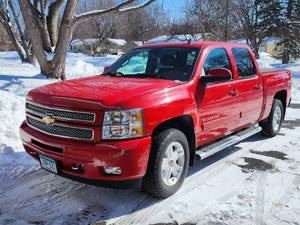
point(120, 8)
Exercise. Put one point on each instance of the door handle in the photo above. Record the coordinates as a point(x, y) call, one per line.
point(233, 92)
point(257, 86)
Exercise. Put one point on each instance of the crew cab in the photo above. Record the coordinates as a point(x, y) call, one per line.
point(144, 120)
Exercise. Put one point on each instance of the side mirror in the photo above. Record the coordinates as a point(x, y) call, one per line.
point(106, 68)
point(217, 75)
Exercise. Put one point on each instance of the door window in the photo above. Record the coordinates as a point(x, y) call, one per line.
point(216, 59)
point(244, 62)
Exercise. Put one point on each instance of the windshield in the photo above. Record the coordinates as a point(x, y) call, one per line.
point(171, 63)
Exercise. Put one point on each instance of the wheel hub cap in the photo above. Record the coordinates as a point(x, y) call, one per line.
point(173, 163)
point(277, 118)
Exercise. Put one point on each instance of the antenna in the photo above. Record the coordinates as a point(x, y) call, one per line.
point(188, 39)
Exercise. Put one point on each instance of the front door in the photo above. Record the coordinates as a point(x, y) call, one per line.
point(218, 105)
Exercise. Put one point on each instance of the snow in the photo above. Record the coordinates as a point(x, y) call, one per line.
point(90, 41)
point(267, 61)
point(270, 40)
point(119, 42)
point(174, 38)
point(240, 41)
point(254, 182)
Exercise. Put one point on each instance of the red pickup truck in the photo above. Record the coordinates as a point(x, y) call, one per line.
point(146, 118)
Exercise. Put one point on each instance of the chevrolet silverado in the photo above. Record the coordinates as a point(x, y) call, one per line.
point(144, 120)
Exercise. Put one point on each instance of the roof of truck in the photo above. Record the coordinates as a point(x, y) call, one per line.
point(199, 44)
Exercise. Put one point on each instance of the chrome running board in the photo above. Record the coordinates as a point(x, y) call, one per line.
point(227, 142)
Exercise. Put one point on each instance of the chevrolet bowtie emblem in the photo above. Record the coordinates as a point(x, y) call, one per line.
point(48, 120)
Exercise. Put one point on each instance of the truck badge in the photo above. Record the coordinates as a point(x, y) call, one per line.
point(48, 120)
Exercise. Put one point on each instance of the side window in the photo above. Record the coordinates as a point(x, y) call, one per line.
point(217, 58)
point(244, 62)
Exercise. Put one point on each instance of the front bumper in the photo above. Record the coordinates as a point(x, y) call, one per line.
point(130, 155)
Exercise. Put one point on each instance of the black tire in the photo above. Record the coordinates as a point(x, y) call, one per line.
point(153, 182)
point(268, 128)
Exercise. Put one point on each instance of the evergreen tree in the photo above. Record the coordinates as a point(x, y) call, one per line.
point(280, 18)
point(289, 29)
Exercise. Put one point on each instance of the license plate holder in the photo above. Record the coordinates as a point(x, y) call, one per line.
point(48, 164)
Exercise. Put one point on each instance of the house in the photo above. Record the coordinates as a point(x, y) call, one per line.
point(93, 46)
point(273, 46)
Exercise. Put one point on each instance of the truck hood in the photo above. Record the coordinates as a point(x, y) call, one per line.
point(109, 91)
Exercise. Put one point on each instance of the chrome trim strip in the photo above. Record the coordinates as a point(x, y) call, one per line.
point(59, 109)
point(58, 124)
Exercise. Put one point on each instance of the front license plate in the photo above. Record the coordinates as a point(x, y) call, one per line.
point(48, 164)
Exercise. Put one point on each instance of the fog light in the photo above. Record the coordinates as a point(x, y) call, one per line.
point(77, 167)
point(113, 170)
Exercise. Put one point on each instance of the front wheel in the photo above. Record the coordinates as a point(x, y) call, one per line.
point(272, 125)
point(168, 164)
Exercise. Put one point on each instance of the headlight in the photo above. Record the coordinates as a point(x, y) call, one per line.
point(123, 124)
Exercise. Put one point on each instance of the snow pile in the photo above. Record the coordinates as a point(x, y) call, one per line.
point(118, 42)
point(80, 65)
point(12, 109)
point(174, 38)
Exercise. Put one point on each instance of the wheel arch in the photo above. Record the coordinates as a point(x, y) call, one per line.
point(282, 96)
point(185, 124)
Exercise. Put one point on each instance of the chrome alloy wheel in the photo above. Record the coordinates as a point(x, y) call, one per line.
point(173, 163)
point(277, 118)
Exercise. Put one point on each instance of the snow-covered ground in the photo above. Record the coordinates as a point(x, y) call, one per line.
point(254, 182)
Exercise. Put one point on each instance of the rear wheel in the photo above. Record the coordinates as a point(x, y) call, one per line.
point(168, 164)
point(272, 125)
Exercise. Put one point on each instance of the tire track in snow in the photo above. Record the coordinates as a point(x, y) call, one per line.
point(260, 198)
point(21, 180)
point(144, 212)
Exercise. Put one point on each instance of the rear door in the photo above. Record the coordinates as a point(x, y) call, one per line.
point(218, 103)
point(249, 86)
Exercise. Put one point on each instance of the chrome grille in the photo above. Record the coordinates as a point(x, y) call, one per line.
point(60, 113)
point(61, 131)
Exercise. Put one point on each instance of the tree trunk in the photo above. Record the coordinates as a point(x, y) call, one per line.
point(285, 55)
point(34, 33)
point(44, 28)
point(52, 21)
point(28, 56)
point(64, 38)
point(5, 21)
point(256, 52)
point(14, 40)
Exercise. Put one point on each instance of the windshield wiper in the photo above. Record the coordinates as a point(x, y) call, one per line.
point(117, 74)
point(148, 75)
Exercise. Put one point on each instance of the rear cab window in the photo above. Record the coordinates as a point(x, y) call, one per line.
point(244, 62)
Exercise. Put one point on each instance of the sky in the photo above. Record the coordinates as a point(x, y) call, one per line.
point(174, 7)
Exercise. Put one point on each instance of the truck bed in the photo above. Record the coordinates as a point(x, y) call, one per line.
point(265, 71)
point(275, 80)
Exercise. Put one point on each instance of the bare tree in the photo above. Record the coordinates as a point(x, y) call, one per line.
point(143, 24)
point(21, 46)
point(209, 16)
point(47, 36)
point(247, 12)
point(94, 35)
